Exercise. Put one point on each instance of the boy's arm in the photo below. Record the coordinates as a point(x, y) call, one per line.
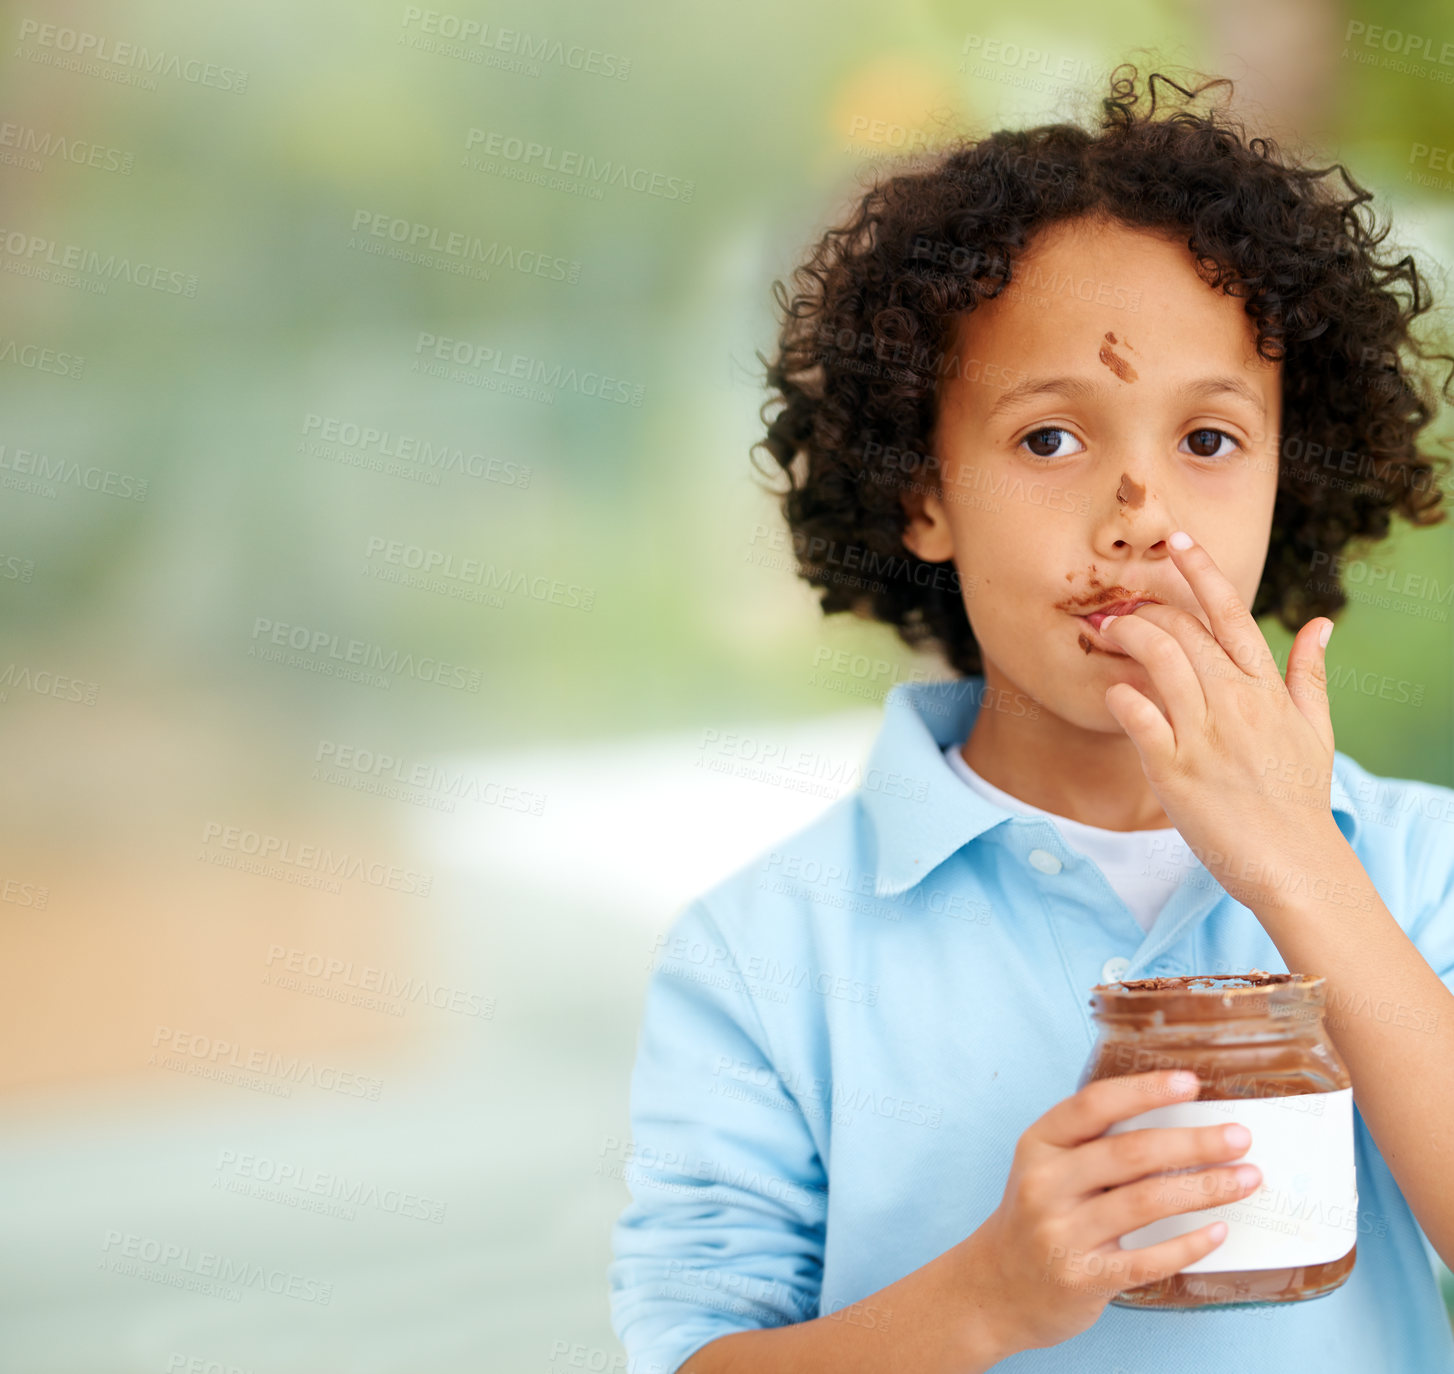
point(725, 1229)
point(1390, 1014)
point(929, 1322)
point(718, 1259)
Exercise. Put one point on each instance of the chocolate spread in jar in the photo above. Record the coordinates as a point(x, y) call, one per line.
point(1253, 1035)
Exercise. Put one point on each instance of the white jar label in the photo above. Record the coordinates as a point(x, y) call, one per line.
point(1305, 1210)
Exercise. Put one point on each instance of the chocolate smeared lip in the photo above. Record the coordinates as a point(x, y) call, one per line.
point(1094, 607)
point(1098, 617)
point(1113, 601)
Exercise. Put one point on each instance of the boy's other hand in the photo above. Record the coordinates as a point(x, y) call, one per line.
point(1050, 1256)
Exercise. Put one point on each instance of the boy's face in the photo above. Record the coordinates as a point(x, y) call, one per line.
point(1052, 504)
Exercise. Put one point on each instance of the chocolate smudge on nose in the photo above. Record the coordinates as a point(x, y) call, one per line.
point(1130, 493)
point(1115, 362)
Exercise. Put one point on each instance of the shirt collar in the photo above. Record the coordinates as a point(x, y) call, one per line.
point(921, 811)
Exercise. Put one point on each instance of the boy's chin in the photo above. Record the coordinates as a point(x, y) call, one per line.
point(1083, 703)
point(1142, 686)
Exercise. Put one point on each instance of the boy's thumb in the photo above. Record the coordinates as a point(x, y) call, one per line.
point(1307, 676)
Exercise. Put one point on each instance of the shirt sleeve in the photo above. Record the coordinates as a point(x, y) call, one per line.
point(725, 1228)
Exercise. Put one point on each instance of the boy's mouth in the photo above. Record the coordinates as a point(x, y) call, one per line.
point(1116, 608)
point(1113, 601)
point(1096, 606)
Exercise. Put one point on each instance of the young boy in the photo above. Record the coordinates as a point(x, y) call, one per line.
point(1128, 390)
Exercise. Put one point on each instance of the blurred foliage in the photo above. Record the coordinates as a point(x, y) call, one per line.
point(650, 506)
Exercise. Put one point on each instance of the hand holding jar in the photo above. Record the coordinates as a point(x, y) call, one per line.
point(1050, 1252)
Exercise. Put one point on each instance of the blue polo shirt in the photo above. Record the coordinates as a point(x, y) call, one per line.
point(843, 1041)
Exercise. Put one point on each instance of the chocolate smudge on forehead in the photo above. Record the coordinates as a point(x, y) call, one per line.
point(1114, 361)
point(1130, 493)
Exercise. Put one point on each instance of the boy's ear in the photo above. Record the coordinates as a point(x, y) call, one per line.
point(926, 533)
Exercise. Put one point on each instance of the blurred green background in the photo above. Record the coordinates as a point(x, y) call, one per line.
point(206, 291)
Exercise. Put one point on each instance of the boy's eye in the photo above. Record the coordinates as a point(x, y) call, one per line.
point(1044, 443)
point(1206, 443)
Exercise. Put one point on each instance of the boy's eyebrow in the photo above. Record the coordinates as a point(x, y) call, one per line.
point(1081, 388)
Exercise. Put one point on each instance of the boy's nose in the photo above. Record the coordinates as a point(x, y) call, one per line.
point(1135, 518)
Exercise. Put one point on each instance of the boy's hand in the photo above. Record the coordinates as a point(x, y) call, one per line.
point(1049, 1255)
point(1241, 761)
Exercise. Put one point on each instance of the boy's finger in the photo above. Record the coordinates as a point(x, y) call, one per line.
point(1122, 1158)
point(1123, 1269)
point(1086, 1114)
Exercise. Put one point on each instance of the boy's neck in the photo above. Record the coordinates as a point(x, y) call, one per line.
point(1083, 775)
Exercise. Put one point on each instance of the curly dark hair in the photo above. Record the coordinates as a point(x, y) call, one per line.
point(867, 337)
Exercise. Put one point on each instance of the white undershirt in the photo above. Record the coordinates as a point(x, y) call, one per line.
point(1143, 867)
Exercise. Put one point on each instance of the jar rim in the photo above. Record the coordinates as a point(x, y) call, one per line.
point(1225, 997)
point(1238, 984)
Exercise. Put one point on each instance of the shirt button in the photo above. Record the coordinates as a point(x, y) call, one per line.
point(1113, 970)
point(1043, 860)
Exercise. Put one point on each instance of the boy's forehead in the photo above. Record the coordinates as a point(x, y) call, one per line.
point(1106, 303)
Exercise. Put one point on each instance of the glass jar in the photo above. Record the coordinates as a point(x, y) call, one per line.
point(1259, 1046)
